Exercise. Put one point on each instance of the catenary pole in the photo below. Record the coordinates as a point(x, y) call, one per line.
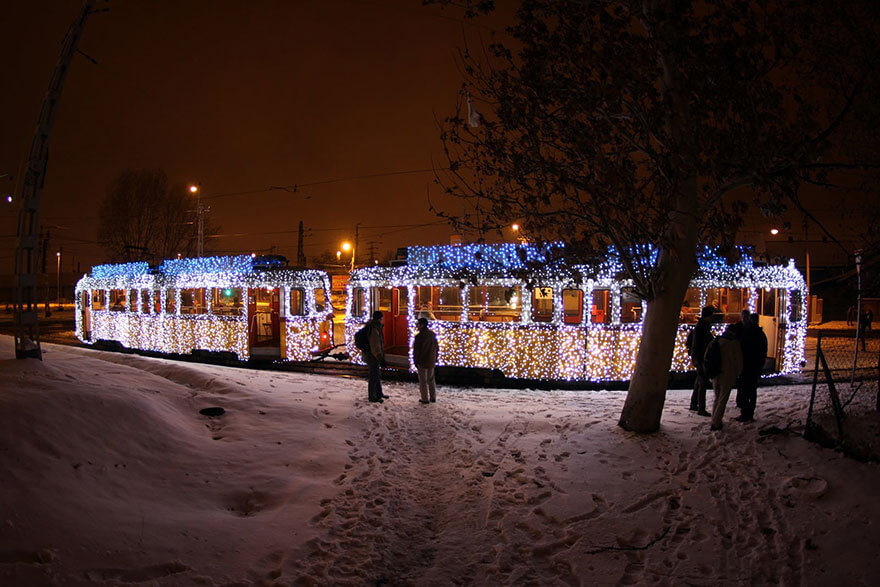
point(27, 331)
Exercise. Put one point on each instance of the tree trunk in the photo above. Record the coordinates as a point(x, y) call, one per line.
point(676, 264)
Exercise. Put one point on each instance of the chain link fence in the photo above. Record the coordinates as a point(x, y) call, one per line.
point(844, 407)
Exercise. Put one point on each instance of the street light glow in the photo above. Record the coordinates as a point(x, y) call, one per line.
point(9, 199)
point(515, 227)
point(774, 231)
point(346, 246)
point(193, 189)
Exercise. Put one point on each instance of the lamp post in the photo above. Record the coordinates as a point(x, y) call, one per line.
point(58, 280)
point(200, 218)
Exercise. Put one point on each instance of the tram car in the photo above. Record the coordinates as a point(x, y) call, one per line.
point(252, 306)
point(518, 309)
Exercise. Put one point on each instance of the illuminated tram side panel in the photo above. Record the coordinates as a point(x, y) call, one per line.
point(520, 309)
point(254, 307)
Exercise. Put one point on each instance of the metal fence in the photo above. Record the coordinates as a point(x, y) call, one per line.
point(844, 407)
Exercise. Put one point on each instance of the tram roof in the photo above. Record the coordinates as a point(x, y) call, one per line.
point(230, 265)
point(549, 260)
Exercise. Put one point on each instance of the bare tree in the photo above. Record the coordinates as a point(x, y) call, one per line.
point(143, 219)
point(628, 124)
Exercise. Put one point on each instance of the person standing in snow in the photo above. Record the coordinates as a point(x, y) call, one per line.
point(375, 359)
point(754, 350)
point(425, 357)
point(744, 324)
point(731, 364)
point(697, 341)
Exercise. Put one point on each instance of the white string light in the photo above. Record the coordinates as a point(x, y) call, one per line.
point(173, 332)
point(555, 350)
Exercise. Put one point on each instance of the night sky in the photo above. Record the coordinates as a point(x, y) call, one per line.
point(239, 96)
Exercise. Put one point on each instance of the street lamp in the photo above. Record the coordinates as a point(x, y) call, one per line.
point(58, 280)
point(200, 245)
point(774, 231)
point(338, 256)
point(346, 246)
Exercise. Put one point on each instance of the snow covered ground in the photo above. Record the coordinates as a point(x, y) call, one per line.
point(109, 475)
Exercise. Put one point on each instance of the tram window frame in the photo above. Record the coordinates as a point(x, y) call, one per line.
point(603, 315)
point(320, 306)
point(171, 301)
point(630, 312)
point(116, 301)
point(546, 294)
point(768, 301)
point(402, 301)
point(358, 302)
point(145, 305)
point(195, 294)
point(296, 301)
point(567, 316)
point(219, 308)
point(729, 302)
point(99, 300)
point(491, 303)
point(382, 299)
point(690, 306)
point(445, 311)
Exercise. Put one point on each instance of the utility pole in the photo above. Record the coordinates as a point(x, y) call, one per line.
point(27, 328)
point(355, 248)
point(300, 255)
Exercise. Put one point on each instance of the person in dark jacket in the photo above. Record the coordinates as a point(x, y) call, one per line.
point(697, 341)
point(375, 359)
point(743, 324)
point(754, 351)
point(425, 357)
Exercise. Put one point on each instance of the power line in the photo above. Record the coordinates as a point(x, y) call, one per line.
point(294, 188)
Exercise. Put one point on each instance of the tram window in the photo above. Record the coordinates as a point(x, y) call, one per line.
point(320, 300)
point(383, 299)
point(690, 307)
point(630, 306)
point(402, 301)
point(133, 300)
point(117, 300)
point(145, 301)
point(192, 301)
point(542, 304)
point(448, 305)
point(600, 311)
point(296, 302)
point(768, 302)
point(729, 301)
point(796, 306)
point(157, 302)
point(226, 301)
point(99, 299)
point(357, 304)
point(494, 303)
point(171, 301)
point(572, 305)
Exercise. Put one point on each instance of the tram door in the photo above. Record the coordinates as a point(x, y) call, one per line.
point(86, 316)
point(769, 302)
point(264, 326)
point(400, 324)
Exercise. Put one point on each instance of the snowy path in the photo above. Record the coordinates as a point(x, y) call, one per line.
point(453, 493)
point(110, 475)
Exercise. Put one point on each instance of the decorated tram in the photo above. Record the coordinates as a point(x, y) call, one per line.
point(520, 309)
point(252, 306)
